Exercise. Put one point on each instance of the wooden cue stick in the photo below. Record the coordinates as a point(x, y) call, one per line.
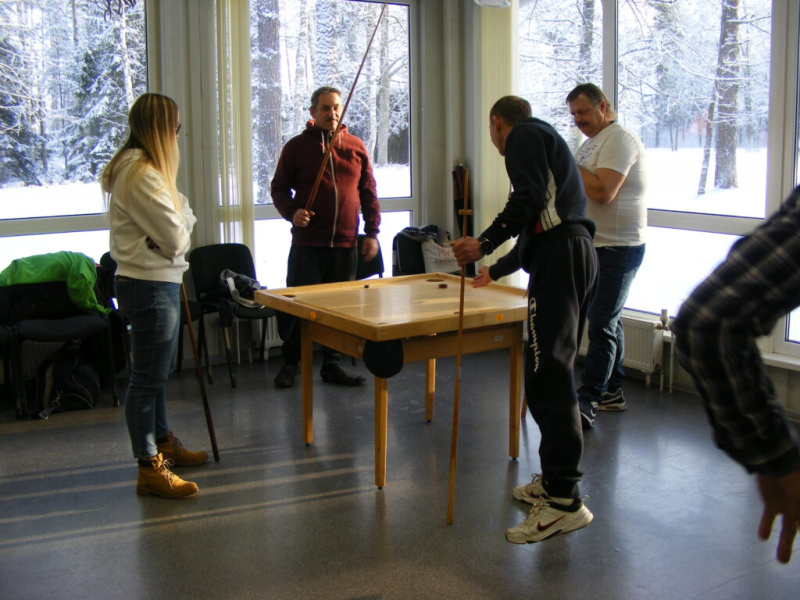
point(451, 485)
point(199, 372)
point(329, 149)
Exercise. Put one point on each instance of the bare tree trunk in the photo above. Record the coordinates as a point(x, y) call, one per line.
point(302, 77)
point(326, 57)
point(701, 187)
point(726, 92)
point(267, 94)
point(587, 39)
point(127, 73)
point(75, 22)
point(384, 95)
point(371, 89)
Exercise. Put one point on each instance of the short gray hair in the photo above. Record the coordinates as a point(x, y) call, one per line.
point(325, 89)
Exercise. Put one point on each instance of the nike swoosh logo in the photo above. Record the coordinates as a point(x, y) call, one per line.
point(541, 527)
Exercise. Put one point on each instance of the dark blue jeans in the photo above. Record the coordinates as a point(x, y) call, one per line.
point(153, 310)
point(617, 266)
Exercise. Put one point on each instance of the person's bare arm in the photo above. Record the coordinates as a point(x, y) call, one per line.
point(602, 187)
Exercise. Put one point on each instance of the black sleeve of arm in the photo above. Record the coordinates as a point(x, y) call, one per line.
point(506, 265)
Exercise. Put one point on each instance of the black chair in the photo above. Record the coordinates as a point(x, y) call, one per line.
point(206, 265)
point(119, 325)
point(195, 314)
point(43, 312)
point(365, 269)
point(407, 257)
point(5, 356)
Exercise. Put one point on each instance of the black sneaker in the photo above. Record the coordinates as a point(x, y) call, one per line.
point(286, 376)
point(612, 401)
point(588, 413)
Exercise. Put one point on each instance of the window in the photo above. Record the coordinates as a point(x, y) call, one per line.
point(793, 322)
point(322, 42)
point(69, 71)
point(699, 106)
point(675, 267)
point(560, 44)
point(300, 45)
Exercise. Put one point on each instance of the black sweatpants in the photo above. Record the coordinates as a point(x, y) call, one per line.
point(563, 269)
point(309, 265)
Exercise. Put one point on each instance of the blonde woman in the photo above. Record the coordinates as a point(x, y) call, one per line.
point(150, 223)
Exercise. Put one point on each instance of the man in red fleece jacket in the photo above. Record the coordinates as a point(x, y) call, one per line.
point(324, 238)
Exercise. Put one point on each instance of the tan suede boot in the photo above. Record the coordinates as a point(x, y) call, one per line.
point(158, 480)
point(174, 451)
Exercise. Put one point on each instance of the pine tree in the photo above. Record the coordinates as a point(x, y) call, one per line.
point(18, 139)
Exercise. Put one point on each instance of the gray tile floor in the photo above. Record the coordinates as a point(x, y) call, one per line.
point(674, 518)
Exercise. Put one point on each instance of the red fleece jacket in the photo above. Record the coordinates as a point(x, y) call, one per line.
point(347, 186)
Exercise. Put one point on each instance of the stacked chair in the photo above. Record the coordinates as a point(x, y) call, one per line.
point(45, 310)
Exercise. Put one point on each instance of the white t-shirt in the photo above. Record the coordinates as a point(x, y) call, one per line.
point(621, 222)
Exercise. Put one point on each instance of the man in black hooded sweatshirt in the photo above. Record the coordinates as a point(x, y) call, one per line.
point(547, 210)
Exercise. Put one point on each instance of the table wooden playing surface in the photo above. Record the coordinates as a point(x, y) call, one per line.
point(420, 310)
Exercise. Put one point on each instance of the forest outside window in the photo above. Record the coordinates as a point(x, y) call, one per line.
point(692, 81)
point(300, 45)
point(69, 71)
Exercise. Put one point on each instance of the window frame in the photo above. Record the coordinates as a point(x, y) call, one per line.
point(782, 138)
point(389, 204)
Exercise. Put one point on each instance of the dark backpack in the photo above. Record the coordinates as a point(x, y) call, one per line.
point(66, 382)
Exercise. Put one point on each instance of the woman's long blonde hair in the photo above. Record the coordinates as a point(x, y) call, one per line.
point(152, 119)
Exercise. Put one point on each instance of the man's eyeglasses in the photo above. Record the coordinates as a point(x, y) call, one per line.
point(178, 128)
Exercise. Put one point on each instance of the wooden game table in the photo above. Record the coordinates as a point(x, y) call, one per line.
point(422, 312)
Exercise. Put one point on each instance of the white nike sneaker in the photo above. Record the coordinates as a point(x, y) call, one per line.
point(548, 519)
point(530, 492)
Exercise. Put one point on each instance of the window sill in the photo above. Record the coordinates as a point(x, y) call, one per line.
point(782, 361)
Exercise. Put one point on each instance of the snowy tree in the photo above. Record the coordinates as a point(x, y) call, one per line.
point(265, 76)
point(726, 90)
point(106, 79)
point(322, 42)
point(326, 52)
point(559, 47)
point(76, 71)
point(18, 139)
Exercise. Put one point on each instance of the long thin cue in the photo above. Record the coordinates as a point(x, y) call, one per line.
point(451, 486)
point(198, 371)
point(329, 149)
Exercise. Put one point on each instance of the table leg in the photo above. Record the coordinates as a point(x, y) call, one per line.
point(515, 378)
point(307, 379)
point(381, 429)
point(430, 387)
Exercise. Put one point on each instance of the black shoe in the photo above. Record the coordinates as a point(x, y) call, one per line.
point(285, 377)
point(335, 374)
point(588, 413)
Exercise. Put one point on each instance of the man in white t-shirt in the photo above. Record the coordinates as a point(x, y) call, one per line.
point(612, 164)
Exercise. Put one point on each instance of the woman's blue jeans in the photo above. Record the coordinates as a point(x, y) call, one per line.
point(617, 266)
point(153, 310)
